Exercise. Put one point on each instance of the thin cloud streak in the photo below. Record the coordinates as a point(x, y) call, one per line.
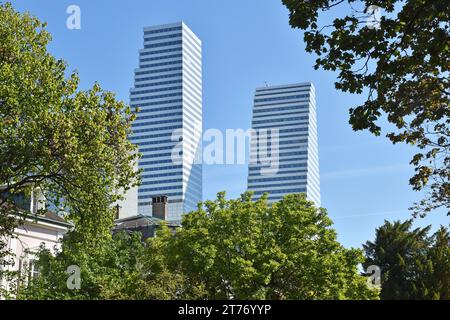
point(355, 173)
point(374, 214)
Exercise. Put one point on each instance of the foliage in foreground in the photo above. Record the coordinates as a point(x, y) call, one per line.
point(70, 144)
point(227, 249)
point(413, 264)
point(402, 65)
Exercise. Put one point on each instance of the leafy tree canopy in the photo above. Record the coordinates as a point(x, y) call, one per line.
point(402, 63)
point(227, 249)
point(413, 264)
point(72, 144)
point(244, 249)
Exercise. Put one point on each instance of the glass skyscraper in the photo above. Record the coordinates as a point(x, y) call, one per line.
point(288, 113)
point(168, 128)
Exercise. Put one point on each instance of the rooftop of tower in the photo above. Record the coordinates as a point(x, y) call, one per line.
point(283, 86)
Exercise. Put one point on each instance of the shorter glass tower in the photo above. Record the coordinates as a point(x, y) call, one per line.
point(288, 113)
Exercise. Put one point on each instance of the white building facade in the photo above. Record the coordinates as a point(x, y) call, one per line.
point(288, 113)
point(168, 129)
point(40, 228)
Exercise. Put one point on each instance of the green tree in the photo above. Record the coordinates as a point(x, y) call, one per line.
point(227, 249)
point(163, 277)
point(413, 265)
point(439, 257)
point(402, 64)
point(244, 249)
point(71, 144)
point(110, 270)
point(121, 267)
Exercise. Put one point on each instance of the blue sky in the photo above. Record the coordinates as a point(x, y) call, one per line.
point(364, 179)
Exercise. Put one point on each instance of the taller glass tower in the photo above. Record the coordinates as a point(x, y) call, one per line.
point(168, 128)
point(289, 112)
